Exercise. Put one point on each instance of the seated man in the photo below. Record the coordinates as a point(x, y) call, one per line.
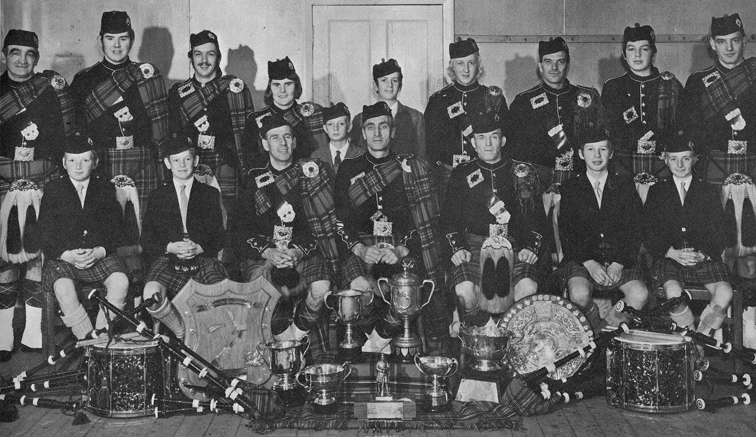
point(340, 147)
point(387, 207)
point(600, 228)
point(685, 235)
point(273, 233)
point(79, 221)
point(490, 219)
point(182, 233)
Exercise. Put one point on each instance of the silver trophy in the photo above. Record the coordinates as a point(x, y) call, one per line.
point(285, 360)
point(323, 380)
point(348, 310)
point(437, 398)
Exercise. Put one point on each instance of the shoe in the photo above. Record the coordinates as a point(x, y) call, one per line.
point(5, 356)
point(30, 350)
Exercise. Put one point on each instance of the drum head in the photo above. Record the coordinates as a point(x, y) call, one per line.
point(128, 341)
point(650, 338)
point(544, 329)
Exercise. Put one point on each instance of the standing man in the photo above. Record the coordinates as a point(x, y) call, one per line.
point(494, 228)
point(410, 124)
point(284, 88)
point(211, 109)
point(642, 106)
point(449, 112)
point(36, 114)
point(720, 103)
point(549, 119)
point(340, 146)
point(386, 205)
point(80, 223)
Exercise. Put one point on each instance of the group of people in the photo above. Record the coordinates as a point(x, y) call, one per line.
point(487, 198)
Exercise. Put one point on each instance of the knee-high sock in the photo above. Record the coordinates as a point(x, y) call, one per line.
point(79, 322)
point(711, 319)
point(169, 316)
point(591, 313)
point(8, 298)
point(614, 317)
point(33, 329)
point(682, 316)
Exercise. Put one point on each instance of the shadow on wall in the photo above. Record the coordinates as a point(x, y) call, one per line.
point(241, 63)
point(157, 49)
point(609, 68)
point(519, 75)
point(68, 64)
point(701, 57)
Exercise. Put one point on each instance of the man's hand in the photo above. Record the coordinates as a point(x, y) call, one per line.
point(279, 259)
point(369, 254)
point(527, 256)
point(461, 256)
point(598, 273)
point(687, 257)
point(615, 272)
point(295, 254)
point(83, 258)
point(185, 249)
point(392, 256)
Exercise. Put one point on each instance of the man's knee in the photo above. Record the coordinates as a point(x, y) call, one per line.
point(672, 289)
point(525, 287)
point(636, 294)
point(579, 291)
point(466, 294)
point(117, 285)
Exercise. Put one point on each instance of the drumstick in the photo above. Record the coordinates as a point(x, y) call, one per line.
point(727, 378)
point(711, 404)
point(189, 357)
point(603, 339)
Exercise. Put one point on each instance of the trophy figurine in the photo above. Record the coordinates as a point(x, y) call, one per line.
point(405, 302)
point(286, 359)
point(437, 398)
point(382, 379)
point(348, 309)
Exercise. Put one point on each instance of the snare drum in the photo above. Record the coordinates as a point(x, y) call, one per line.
point(123, 376)
point(650, 372)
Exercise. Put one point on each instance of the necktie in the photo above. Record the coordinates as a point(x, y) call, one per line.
point(80, 189)
point(337, 160)
point(683, 192)
point(598, 192)
point(184, 204)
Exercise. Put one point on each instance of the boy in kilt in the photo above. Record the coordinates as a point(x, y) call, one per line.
point(182, 234)
point(211, 109)
point(36, 113)
point(601, 234)
point(284, 230)
point(387, 211)
point(684, 217)
point(493, 225)
point(80, 223)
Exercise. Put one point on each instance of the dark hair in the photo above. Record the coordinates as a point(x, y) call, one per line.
point(35, 51)
point(218, 71)
point(268, 98)
point(566, 58)
point(401, 79)
point(130, 32)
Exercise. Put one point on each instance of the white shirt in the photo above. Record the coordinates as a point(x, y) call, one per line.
point(77, 183)
point(333, 149)
point(685, 181)
point(394, 108)
point(177, 185)
point(602, 185)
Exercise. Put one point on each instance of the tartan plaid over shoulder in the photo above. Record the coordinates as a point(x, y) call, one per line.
point(719, 96)
point(151, 89)
point(18, 99)
point(668, 101)
point(316, 187)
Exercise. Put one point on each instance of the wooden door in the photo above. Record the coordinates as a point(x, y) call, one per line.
point(349, 40)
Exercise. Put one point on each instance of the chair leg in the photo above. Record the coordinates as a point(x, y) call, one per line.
point(737, 320)
point(48, 324)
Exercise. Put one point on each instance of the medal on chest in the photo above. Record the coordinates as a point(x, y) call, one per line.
point(564, 162)
point(735, 147)
point(646, 146)
point(282, 234)
point(630, 115)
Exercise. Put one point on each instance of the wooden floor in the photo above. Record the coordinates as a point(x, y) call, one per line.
point(592, 417)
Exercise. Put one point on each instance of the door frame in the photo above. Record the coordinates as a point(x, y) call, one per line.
point(447, 32)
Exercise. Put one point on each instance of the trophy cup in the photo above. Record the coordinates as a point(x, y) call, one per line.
point(286, 358)
point(348, 310)
point(485, 350)
point(437, 398)
point(405, 300)
point(324, 380)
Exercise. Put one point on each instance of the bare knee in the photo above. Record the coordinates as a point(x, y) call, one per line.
point(636, 294)
point(524, 288)
point(466, 294)
point(118, 286)
point(580, 291)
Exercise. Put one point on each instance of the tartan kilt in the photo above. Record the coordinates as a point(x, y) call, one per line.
point(39, 171)
point(224, 173)
point(718, 165)
point(440, 175)
point(311, 268)
point(55, 269)
point(471, 271)
point(707, 272)
point(210, 271)
point(631, 164)
point(572, 269)
point(352, 266)
point(139, 164)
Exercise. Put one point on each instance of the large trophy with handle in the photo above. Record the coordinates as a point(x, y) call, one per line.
point(349, 306)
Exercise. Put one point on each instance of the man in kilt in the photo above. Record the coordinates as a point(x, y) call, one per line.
point(493, 226)
point(212, 109)
point(684, 217)
point(601, 234)
point(450, 109)
point(124, 106)
point(641, 106)
point(36, 113)
point(182, 234)
point(720, 104)
point(80, 222)
point(284, 230)
point(387, 209)
point(284, 88)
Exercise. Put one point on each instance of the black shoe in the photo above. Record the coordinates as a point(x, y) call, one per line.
point(5, 356)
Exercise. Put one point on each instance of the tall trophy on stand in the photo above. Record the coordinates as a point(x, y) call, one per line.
point(405, 289)
point(349, 305)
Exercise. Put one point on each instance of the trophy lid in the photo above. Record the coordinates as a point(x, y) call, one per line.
point(406, 277)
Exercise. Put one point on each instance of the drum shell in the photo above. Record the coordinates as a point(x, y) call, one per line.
point(648, 377)
point(123, 378)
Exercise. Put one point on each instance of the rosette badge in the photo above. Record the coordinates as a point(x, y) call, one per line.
point(310, 169)
point(584, 100)
point(236, 85)
point(147, 70)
